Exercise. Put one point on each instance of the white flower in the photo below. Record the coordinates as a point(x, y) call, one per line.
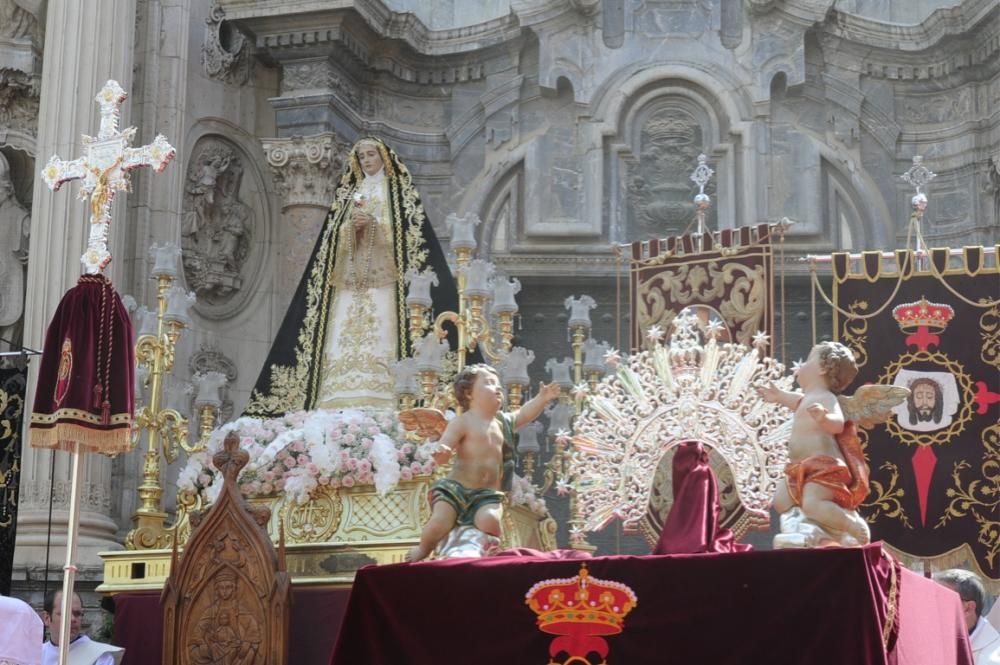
point(563, 488)
point(655, 334)
point(612, 357)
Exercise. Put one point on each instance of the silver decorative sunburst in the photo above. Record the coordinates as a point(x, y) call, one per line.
point(689, 388)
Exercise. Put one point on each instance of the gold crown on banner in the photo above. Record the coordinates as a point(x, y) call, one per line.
point(581, 604)
point(934, 316)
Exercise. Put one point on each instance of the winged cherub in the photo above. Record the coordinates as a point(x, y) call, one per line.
point(826, 478)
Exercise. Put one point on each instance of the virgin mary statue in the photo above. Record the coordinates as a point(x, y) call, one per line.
point(347, 321)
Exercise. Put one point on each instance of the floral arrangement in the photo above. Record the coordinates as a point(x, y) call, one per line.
point(302, 451)
point(306, 450)
point(523, 493)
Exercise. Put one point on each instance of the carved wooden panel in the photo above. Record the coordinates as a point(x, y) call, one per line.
point(226, 601)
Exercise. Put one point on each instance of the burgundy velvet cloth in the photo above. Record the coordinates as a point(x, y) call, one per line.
point(316, 616)
point(692, 526)
point(824, 606)
point(85, 386)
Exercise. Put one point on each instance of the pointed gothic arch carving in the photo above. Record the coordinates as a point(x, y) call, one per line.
point(227, 600)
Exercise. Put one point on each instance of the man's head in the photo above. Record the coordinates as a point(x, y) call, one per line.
point(969, 588)
point(829, 362)
point(926, 401)
point(52, 615)
point(478, 384)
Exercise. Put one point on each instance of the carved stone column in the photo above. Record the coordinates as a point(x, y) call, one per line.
point(89, 43)
point(306, 171)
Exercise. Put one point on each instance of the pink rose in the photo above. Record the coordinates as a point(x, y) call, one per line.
point(367, 444)
point(428, 467)
point(290, 462)
point(364, 466)
point(312, 469)
point(347, 481)
point(280, 485)
point(335, 482)
point(349, 438)
point(266, 488)
point(416, 467)
point(324, 480)
point(372, 431)
point(298, 447)
point(269, 476)
point(406, 473)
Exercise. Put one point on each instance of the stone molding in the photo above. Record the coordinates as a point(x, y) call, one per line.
point(289, 23)
point(306, 168)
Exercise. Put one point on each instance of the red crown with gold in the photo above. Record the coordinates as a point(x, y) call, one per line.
point(923, 314)
point(581, 605)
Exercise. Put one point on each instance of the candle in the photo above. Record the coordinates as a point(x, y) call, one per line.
point(463, 230)
point(419, 292)
point(178, 303)
point(165, 260)
point(209, 386)
point(579, 311)
point(503, 295)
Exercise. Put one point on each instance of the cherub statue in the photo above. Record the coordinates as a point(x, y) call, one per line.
point(467, 506)
point(827, 477)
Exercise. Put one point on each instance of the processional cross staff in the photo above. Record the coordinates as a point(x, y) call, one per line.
point(67, 415)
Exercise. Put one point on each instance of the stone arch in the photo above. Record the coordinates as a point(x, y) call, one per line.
point(655, 126)
point(225, 281)
point(501, 214)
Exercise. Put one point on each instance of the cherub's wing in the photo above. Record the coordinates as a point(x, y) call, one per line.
point(872, 404)
point(425, 422)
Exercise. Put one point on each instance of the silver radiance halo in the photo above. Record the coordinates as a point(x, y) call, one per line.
point(688, 388)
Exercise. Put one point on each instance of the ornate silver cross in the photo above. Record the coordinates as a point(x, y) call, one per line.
point(104, 168)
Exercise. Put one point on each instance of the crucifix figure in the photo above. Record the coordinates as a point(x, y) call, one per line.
point(104, 168)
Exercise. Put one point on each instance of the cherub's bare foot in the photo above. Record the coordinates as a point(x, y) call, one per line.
point(859, 529)
point(417, 553)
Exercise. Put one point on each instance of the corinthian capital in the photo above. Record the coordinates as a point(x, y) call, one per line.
point(306, 168)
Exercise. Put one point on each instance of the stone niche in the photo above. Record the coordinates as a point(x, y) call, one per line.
point(222, 226)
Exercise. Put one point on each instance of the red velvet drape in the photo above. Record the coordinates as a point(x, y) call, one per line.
point(692, 526)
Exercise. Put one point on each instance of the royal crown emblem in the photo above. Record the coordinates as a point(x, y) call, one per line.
point(580, 609)
point(923, 314)
point(921, 320)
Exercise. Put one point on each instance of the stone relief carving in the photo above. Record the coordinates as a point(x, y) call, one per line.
point(19, 101)
point(18, 19)
point(660, 191)
point(209, 358)
point(952, 106)
point(96, 497)
point(15, 225)
point(216, 227)
point(225, 53)
point(318, 75)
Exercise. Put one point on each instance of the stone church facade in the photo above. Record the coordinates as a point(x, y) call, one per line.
point(566, 125)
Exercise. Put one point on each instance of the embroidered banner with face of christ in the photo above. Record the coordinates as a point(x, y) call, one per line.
point(725, 277)
point(934, 328)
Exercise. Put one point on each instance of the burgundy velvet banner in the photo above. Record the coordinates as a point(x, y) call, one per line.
point(776, 607)
point(316, 617)
point(728, 273)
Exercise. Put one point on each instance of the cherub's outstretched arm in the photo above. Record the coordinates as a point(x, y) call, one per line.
point(534, 407)
point(774, 394)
